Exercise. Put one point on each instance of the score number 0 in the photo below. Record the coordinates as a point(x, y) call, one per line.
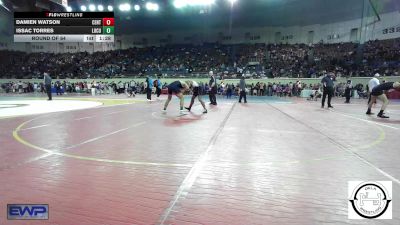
point(108, 21)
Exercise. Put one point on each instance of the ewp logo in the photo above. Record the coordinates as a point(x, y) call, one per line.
point(370, 200)
point(27, 211)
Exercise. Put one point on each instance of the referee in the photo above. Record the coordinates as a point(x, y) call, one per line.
point(213, 89)
point(242, 90)
point(327, 83)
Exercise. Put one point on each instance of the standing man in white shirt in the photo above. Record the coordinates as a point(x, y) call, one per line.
point(373, 83)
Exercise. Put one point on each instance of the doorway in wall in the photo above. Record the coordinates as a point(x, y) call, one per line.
point(354, 35)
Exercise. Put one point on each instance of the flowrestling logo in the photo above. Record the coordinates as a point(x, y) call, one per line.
point(27, 212)
point(370, 200)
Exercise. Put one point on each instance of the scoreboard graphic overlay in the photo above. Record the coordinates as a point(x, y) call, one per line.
point(63, 26)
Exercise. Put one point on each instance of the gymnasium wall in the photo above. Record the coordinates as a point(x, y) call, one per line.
point(366, 29)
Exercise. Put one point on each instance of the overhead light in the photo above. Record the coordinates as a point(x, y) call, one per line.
point(179, 3)
point(125, 7)
point(149, 5)
point(137, 7)
point(209, 2)
point(69, 9)
point(92, 7)
point(4, 6)
point(110, 8)
point(156, 7)
point(83, 8)
point(100, 8)
point(232, 1)
point(183, 3)
point(152, 6)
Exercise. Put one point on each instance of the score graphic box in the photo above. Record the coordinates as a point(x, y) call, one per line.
point(64, 27)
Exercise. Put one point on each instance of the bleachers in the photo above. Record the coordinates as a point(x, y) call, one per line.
point(254, 60)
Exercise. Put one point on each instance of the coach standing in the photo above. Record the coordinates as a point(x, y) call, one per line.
point(149, 89)
point(158, 85)
point(47, 84)
point(213, 89)
point(327, 83)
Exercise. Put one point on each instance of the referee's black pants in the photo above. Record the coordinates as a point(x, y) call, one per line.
point(211, 95)
point(327, 91)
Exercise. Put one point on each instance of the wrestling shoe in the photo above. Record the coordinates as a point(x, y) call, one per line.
point(382, 116)
point(369, 112)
